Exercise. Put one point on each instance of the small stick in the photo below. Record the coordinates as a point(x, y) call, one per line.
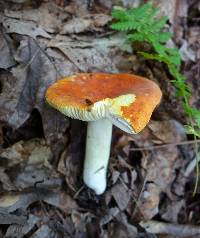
point(190, 167)
point(77, 193)
point(165, 145)
point(157, 227)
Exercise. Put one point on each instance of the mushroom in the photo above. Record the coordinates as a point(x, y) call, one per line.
point(104, 99)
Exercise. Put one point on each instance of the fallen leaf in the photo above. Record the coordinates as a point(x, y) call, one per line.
point(86, 57)
point(48, 15)
point(13, 155)
point(32, 175)
point(115, 176)
point(76, 25)
point(11, 219)
point(24, 91)
point(111, 214)
point(63, 201)
point(172, 8)
point(160, 164)
point(27, 28)
point(8, 200)
point(9, 203)
point(71, 160)
point(121, 195)
point(45, 232)
point(168, 131)
point(80, 221)
point(175, 230)
point(194, 35)
point(6, 51)
point(122, 228)
point(6, 183)
point(32, 160)
point(186, 52)
point(149, 201)
point(166, 8)
point(170, 210)
point(21, 230)
point(93, 22)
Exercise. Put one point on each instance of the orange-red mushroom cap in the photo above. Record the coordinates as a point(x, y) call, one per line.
point(127, 100)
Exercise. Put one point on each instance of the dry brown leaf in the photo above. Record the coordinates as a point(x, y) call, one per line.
point(32, 152)
point(172, 8)
point(6, 57)
point(126, 3)
point(121, 195)
point(112, 213)
point(186, 52)
point(170, 131)
point(160, 164)
point(27, 28)
point(45, 232)
point(148, 204)
point(170, 211)
point(194, 35)
point(122, 228)
point(76, 25)
point(80, 221)
point(180, 230)
point(21, 230)
point(48, 16)
point(21, 200)
point(63, 201)
point(8, 200)
point(5, 181)
point(160, 167)
point(84, 55)
point(71, 160)
point(13, 155)
point(115, 176)
point(9, 203)
point(32, 160)
point(92, 23)
point(12, 219)
point(25, 91)
point(160, 132)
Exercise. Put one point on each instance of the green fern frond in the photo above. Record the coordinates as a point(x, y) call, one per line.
point(119, 14)
point(136, 19)
point(123, 26)
point(142, 25)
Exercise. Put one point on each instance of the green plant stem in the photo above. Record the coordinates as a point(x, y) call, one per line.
point(197, 167)
point(141, 25)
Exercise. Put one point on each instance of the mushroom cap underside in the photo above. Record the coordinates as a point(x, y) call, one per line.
point(127, 100)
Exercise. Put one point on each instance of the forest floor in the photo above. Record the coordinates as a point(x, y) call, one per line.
point(151, 175)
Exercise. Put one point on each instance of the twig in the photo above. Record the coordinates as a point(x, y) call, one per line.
point(78, 192)
point(40, 199)
point(190, 167)
point(31, 60)
point(165, 145)
point(170, 229)
point(136, 200)
point(48, 57)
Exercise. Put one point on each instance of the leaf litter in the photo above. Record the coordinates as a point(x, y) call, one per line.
point(41, 189)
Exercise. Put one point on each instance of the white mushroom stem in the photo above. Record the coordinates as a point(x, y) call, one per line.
point(99, 135)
